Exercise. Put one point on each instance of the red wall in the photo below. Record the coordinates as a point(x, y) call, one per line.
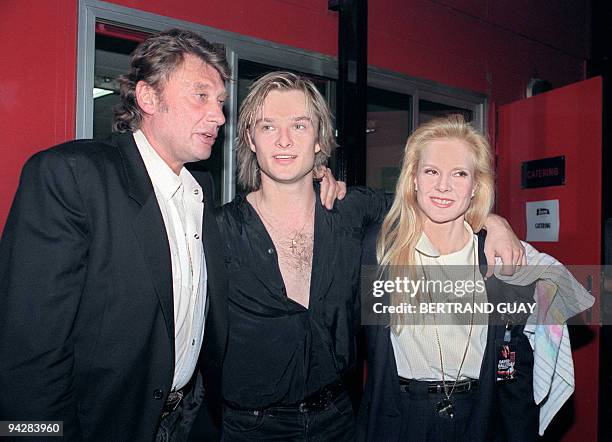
point(489, 46)
point(37, 83)
point(485, 46)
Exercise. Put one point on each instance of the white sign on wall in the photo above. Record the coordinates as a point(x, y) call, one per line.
point(543, 220)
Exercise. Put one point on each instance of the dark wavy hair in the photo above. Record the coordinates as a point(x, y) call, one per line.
point(153, 61)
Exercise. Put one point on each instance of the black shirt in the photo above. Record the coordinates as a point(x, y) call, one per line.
point(280, 352)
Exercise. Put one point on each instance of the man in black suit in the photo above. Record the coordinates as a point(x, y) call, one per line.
point(110, 280)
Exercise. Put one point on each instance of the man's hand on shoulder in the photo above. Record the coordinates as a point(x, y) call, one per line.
point(331, 190)
point(502, 242)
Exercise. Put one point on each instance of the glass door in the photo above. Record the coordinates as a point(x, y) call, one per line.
point(388, 125)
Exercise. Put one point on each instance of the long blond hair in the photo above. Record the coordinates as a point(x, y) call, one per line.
point(403, 226)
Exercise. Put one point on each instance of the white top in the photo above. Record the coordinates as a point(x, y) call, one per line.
point(416, 349)
point(181, 202)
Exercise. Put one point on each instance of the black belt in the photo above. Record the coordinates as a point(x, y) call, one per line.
point(466, 385)
point(317, 401)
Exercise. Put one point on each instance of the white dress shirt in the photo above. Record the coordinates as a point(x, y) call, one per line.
point(416, 347)
point(181, 202)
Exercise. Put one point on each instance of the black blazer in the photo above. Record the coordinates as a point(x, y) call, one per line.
point(380, 417)
point(86, 317)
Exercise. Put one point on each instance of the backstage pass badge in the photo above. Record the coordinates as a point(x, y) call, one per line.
point(506, 362)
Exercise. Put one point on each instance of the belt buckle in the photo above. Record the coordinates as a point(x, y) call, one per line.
point(320, 400)
point(303, 407)
point(174, 399)
point(312, 404)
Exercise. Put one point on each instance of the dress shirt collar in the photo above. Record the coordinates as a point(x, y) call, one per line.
point(162, 176)
point(425, 247)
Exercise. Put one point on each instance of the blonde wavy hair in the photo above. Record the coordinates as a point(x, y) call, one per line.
point(403, 225)
point(248, 170)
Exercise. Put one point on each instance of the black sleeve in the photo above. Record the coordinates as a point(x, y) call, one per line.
point(43, 263)
point(366, 205)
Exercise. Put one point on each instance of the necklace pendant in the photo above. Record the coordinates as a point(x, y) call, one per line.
point(445, 409)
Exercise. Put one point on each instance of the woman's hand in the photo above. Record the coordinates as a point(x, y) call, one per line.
point(331, 190)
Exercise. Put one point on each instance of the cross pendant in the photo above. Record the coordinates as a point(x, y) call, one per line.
point(445, 409)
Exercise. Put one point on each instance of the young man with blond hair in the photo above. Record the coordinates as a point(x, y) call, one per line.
point(293, 271)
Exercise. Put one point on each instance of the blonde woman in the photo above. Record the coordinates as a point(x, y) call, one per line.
point(428, 380)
